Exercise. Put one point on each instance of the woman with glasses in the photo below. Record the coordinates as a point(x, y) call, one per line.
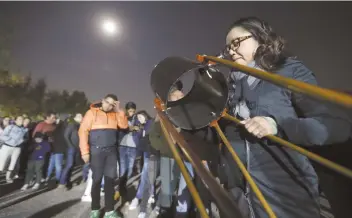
point(285, 177)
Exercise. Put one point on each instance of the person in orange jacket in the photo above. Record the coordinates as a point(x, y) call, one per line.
point(98, 137)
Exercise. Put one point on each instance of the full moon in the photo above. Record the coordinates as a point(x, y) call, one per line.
point(109, 27)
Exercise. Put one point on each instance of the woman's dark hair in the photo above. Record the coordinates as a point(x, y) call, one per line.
point(270, 53)
point(19, 117)
point(130, 105)
point(49, 114)
point(2, 122)
point(145, 114)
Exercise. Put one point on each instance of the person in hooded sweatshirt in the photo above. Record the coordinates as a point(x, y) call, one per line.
point(12, 137)
point(98, 138)
point(286, 178)
point(38, 151)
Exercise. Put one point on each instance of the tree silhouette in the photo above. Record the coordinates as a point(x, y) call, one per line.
point(20, 94)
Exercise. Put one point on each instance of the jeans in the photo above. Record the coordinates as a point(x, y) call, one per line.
point(170, 175)
point(127, 158)
point(70, 159)
point(183, 195)
point(152, 172)
point(103, 164)
point(144, 178)
point(85, 171)
point(55, 161)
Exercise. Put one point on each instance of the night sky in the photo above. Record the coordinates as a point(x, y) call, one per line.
point(60, 40)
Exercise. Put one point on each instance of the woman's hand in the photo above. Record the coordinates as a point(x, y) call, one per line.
point(260, 126)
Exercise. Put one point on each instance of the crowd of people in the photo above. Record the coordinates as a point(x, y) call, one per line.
point(34, 149)
point(109, 138)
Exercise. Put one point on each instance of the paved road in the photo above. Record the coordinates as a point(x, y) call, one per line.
point(50, 201)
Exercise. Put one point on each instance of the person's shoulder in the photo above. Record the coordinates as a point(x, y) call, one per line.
point(40, 124)
point(292, 67)
point(10, 126)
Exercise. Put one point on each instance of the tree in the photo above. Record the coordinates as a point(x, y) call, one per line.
point(18, 93)
point(5, 46)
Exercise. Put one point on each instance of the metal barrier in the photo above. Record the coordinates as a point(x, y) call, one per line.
point(222, 198)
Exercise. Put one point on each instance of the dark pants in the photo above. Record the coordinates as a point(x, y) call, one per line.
point(34, 166)
point(103, 163)
point(70, 160)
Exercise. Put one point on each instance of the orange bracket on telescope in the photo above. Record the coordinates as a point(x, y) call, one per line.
point(201, 58)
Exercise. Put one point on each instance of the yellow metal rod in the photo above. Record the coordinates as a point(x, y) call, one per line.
point(291, 84)
point(323, 161)
point(245, 173)
point(191, 187)
point(222, 198)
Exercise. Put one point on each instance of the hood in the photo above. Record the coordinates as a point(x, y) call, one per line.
point(95, 105)
point(292, 61)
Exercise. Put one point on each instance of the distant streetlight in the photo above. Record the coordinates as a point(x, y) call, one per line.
point(109, 27)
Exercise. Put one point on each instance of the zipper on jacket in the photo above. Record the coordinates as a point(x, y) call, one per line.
point(248, 188)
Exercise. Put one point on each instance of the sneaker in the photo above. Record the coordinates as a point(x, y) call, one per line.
point(142, 215)
point(163, 212)
point(16, 177)
point(95, 214)
point(134, 204)
point(61, 186)
point(43, 180)
point(25, 187)
point(36, 186)
point(157, 210)
point(111, 214)
point(151, 200)
point(86, 198)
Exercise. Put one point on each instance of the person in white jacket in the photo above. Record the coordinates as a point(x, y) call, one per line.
point(12, 137)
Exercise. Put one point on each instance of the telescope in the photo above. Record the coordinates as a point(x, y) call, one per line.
point(205, 101)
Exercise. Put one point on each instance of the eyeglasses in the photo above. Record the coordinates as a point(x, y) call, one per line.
point(236, 43)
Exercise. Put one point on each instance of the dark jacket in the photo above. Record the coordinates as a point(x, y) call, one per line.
point(71, 135)
point(59, 144)
point(285, 177)
point(39, 150)
point(204, 142)
point(144, 144)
